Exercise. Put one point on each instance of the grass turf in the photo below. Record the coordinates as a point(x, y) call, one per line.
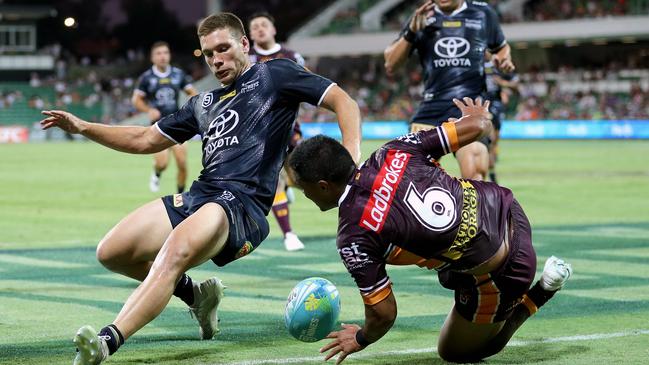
point(587, 202)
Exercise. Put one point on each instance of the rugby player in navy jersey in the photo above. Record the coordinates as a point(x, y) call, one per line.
point(262, 32)
point(499, 86)
point(451, 37)
point(400, 208)
point(156, 94)
point(245, 127)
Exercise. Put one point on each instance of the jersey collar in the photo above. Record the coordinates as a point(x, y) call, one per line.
point(266, 52)
point(342, 197)
point(455, 12)
point(161, 74)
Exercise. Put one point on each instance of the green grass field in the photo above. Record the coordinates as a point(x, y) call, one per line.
point(588, 203)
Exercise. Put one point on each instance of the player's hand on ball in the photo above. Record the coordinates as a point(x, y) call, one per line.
point(418, 21)
point(154, 114)
point(344, 342)
point(64, 120)
point(475, 107)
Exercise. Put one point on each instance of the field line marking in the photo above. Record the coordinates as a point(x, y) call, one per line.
point(576, 338)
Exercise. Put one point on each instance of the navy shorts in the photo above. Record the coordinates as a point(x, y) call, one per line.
point(436, 112)
point(248, 227)
point(497, 110)
point(492, 297)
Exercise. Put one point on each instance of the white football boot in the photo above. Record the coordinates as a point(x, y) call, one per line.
point(154, 183)
point(207, 296)
point(91, 349)
point(292, 242)
point(555, 273)
point(290, 195)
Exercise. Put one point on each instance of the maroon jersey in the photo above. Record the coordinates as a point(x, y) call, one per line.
point(261, 55)
point(401, 208)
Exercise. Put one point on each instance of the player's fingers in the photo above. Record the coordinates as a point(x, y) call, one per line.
point(486, 104)
point(333, 353)
point(459, 104)
point(341, 358)
point(478, 101)
point(329, 346)
point(468, 101)
point(452, 120)
point(47, 126)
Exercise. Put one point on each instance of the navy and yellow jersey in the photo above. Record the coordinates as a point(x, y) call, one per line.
point(493, 87)
point(451, 50)
point(401, 208)
point(245, 127)
point(162, 89)
point(279, 51)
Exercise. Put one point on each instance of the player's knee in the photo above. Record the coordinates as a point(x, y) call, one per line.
point(105, 254)
point(177, 254)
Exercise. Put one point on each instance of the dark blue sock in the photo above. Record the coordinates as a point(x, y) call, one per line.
point(185, 290)
point(113, 338)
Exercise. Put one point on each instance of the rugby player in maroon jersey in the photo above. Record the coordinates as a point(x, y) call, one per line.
point(400, 208)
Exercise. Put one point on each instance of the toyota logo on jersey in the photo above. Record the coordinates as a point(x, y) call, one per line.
point(451, 47)
point(216, 135)
point(223, 124)
point(451, 50)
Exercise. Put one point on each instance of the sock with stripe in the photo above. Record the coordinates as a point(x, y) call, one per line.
point(113, 338)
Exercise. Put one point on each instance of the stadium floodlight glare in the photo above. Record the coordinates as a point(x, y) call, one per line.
point(69, 22)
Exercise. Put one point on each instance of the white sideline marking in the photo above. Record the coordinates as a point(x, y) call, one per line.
point(595, 336)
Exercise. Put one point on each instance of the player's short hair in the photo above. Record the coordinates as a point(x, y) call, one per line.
point(221, 21)
point(261, 14)
point(321, 158)
point(159, 44)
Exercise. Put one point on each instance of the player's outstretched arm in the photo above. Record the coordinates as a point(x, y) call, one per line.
point(379, 318)
point(503, 59)
point(131, 139)
point(349, 119)
point(396, 54)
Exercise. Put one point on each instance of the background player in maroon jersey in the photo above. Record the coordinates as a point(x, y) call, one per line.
point(261, 27)
point(401, 208)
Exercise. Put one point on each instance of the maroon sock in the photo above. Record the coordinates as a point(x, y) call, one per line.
point(280, 211)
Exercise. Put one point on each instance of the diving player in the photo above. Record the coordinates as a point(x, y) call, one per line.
point(401, 208)
point(156, 94)
point(245, 127)
point(450, 37)
point(265, 48)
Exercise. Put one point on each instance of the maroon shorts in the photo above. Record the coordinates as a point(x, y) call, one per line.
point(492, 297)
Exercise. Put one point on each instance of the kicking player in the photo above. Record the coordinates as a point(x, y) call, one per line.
point(245, 127)
point(265, 48)
point(451, 37)
point(499, 86)
point(401, 208)
point(156, 94)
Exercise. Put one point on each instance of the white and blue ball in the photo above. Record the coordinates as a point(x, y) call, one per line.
point(312, 309)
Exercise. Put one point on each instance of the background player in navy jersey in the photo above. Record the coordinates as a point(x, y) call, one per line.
point(245, 128)
point(401, 208)
point(156, 94)
point(262, 32)
point(450, 37)
point(499, 89)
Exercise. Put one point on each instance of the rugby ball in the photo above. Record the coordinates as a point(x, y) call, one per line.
point(312, 309)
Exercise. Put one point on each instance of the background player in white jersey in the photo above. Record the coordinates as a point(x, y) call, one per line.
point(262, 32)
point(156, 94)
point(245, 127)
point(450, 37)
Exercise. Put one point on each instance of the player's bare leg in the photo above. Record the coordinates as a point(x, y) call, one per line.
point(160, 162)
point(132, 245)
point(493, 154)
point(197, 239)
point(180, 154)
point(280, 210)
point(462, 341)
point(473, 160)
